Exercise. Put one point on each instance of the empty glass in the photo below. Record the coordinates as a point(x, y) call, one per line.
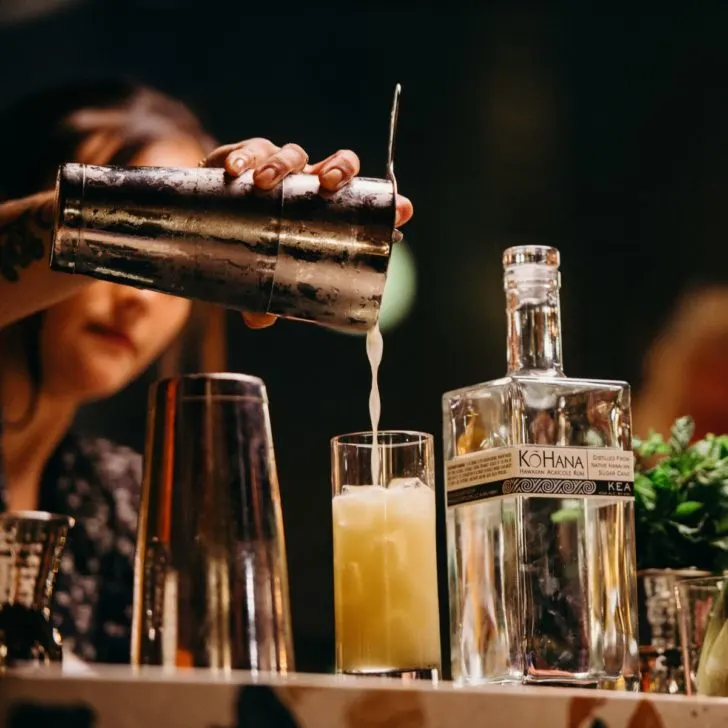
point(703, 621)
point(211, 585)
point(385, 568)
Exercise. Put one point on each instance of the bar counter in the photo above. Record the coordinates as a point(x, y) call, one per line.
point(118, 697)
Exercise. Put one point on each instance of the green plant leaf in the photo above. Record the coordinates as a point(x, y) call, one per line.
point(689, 532)
point(681, 499)
point(653, 445)
point(644, 492)
point(722, 442)
point(720, 524)
point(687, 508)
point(681, 434)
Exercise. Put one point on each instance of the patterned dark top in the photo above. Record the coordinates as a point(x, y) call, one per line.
point(98, 483)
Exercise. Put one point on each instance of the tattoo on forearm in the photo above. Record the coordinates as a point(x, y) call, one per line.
point(21, 242)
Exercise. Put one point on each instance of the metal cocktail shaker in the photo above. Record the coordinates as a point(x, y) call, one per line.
point(293, 251)
point(31, 543)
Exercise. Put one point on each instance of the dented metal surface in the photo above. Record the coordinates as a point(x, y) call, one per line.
point(296, 251)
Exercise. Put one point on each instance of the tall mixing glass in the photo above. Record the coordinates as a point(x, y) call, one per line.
point(211, 585)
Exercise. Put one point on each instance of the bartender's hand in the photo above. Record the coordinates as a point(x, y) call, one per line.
point(271, 164)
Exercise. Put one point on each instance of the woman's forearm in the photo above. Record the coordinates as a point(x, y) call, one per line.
point(27, 284)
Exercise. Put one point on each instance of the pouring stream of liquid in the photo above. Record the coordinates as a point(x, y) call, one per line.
point(375, 347)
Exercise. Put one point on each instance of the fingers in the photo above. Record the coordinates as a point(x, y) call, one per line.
point(340, 168)
point(249, 155)
point(405, 211)
point(272, 163)
point(258, 320)
point(289, 159)
point(337, 170)
point(236, 158)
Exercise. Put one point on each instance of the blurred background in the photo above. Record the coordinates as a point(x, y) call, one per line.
point(604, 134)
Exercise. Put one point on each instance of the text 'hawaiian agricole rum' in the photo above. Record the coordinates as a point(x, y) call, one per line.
point(540, 523)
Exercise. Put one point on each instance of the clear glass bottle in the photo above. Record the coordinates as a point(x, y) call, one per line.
point(539, 477)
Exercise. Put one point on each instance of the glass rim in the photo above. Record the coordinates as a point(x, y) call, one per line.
point(701, 580)
point(679, 574)
point(29, 516)
point(349, 439)
point(211, 386)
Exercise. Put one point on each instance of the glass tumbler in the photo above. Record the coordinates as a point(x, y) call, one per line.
point(703, 620)
point(211, 584)
point(385, 567)
point(31, 545)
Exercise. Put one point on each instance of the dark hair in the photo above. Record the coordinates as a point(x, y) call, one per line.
point(49, 128)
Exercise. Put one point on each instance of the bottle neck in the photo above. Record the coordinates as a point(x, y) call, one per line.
point(534, 322)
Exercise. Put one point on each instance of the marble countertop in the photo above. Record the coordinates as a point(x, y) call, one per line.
point(120, 697)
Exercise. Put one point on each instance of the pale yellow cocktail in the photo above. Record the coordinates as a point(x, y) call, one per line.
point(385, 579)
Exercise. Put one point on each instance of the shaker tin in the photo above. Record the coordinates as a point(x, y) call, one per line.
point(294, 251)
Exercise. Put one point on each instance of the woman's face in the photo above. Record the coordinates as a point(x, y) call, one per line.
point(96, 342)
point(705, 389)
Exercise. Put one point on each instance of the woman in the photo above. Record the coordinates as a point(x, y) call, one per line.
point(66, 340)
point(685, 368)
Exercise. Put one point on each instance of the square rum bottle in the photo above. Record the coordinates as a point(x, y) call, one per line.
point(540, 523)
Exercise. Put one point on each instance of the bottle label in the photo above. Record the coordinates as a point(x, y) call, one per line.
point(538, 470)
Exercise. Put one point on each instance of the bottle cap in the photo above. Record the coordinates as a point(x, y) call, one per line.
point(531, 255)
